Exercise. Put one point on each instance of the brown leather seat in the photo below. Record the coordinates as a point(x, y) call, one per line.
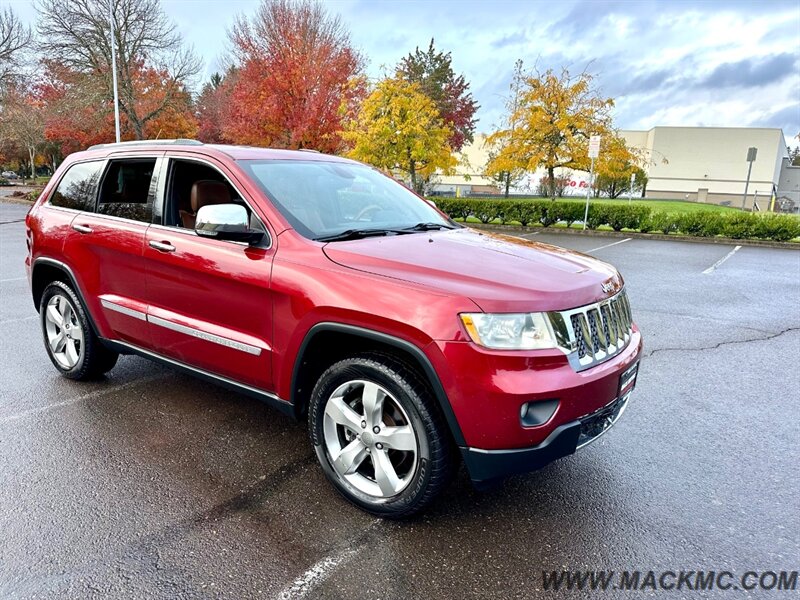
point(204, 192)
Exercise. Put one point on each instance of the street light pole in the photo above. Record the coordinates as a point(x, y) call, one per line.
point(114, 68)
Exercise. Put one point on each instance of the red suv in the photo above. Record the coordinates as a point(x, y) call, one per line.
point(333, 293)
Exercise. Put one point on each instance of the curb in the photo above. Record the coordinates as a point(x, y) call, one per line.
point(635, 235)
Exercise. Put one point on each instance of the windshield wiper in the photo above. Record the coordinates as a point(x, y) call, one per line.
point(429, 227)
point(355, 234)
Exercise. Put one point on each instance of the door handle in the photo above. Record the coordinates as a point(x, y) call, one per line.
point(161, 246)
point(81, 228)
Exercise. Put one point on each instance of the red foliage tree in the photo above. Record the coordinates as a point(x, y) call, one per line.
point(298, 78)
point(79, 113)
point(433, 71)
point(212, 107)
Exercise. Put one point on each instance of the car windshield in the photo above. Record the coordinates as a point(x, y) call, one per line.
point(331, 200)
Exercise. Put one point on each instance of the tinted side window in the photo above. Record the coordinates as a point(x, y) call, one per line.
point(77, 188)
point(125, 191)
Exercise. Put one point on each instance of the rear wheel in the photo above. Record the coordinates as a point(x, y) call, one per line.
point(378, 435)
point(72, 345)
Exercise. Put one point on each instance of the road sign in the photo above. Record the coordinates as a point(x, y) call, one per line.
point(751, 154)
point(594, 146)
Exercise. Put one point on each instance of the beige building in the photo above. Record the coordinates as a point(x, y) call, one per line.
point(469, 178)
point(700, 164)
point(709, 164)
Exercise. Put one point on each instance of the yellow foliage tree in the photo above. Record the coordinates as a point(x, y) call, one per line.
point(399, 128)
point(615, 165)
point(550, 125)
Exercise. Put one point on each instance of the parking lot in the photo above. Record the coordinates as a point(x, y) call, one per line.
point(152, 484)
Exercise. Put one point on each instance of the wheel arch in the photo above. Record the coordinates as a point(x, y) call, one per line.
point(45, 271)
point(325, 343)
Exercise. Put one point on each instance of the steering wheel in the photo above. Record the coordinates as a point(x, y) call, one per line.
point(366, 210)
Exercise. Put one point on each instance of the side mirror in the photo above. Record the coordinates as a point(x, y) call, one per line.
point(226, 222)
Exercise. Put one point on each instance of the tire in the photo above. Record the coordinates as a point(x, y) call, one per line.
point(69, 339)
point(379, 436)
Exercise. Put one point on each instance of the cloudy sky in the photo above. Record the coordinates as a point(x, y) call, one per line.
point(709, 62)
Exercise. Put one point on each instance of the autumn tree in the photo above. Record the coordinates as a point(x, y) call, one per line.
point(510, 175)
point(15, 38)
point(79, 113)
point(615, 165)
point(298, 76)
point(22, 123)
point(212, 107)
point(433, 71)
point(149, 52)
point(555, 116)
point(399, 128)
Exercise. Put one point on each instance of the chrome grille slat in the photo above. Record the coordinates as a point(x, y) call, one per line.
point(596, 332)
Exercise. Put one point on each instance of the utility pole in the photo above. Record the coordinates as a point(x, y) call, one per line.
point(594, 152)
point(751, 157)
point(114, 67)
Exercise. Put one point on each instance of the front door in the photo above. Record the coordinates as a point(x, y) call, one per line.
point(209, 301)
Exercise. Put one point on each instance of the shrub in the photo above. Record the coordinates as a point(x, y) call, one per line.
point(620, 217)
point(4, 181)
point(703, 223)
point(780, 228)
point(548, 212)
point(660, 221)
point(522, 212)
point(570, 212)
point(739, 225)
point(598, 215)
point(486, 211)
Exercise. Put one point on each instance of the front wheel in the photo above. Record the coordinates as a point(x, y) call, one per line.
point(378, 435)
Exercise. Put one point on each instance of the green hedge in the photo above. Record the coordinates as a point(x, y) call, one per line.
point(635, 217)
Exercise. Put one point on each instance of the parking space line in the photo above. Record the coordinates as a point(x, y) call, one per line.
point(12, 279)
point(321, 570)
point(316, 574)
point(609, 245)
point(714, 267)
point(89, 396)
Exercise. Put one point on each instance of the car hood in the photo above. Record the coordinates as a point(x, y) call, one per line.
point(500, 273)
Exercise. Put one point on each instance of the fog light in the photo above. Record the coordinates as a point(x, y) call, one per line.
point(536, 413)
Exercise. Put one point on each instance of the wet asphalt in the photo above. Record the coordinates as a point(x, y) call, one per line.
point(150, 484)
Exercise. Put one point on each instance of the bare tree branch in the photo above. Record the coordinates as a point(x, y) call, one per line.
point(15, 38)
point(77, 31)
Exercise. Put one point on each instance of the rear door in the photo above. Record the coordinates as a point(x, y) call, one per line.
point(106, 246)
point(209, 301)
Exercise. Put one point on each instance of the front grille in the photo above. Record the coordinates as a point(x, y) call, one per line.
point(597, 423)
point(596, 332)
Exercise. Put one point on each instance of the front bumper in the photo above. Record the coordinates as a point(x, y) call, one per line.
point(487, 466)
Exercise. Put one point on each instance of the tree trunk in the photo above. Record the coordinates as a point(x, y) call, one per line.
point(551, 182)
point(412, 169)
point(32, 154)
point(508, 182)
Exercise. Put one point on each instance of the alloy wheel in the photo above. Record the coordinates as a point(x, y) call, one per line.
point(64, 332)
point(369, 439)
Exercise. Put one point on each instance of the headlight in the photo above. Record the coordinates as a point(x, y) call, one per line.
point(523, 331)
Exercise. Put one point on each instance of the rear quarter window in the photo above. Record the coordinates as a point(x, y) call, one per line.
point(78, 187)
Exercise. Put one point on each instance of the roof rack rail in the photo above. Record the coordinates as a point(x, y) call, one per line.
point(175, 142)
point(309, 150)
